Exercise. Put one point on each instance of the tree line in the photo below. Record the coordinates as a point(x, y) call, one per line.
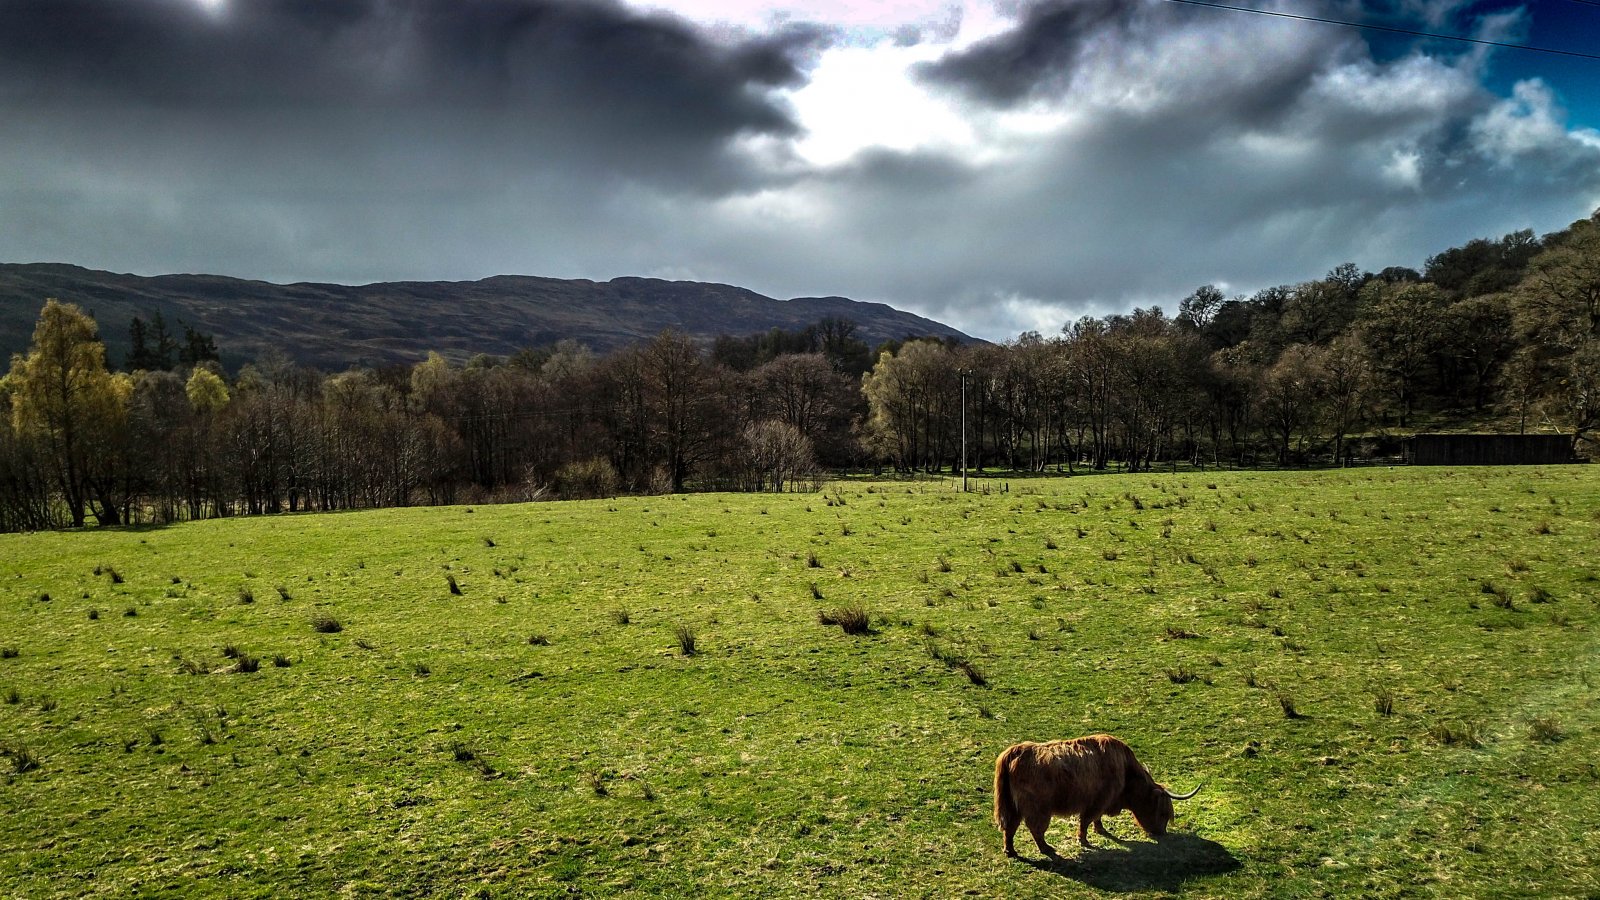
point(1504, 330)
point(1502, 334)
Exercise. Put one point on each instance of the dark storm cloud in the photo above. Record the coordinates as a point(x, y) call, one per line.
point(367, 140)
point(371, 139)
point(1116, 152)
point(1038, 55)
point(609, 68)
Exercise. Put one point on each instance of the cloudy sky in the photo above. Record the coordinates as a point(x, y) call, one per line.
point(1000, 165)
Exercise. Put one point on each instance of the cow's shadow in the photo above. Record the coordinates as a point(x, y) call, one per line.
point(1142, 865)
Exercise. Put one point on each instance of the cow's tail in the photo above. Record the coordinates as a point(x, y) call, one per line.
point(1005, 809)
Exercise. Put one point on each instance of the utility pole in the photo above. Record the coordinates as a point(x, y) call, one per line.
point(963, 373)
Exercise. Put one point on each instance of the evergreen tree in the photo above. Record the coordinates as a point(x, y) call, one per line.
point(138, 350)
point(197, 347)
point(162, 345)
point(151, 346)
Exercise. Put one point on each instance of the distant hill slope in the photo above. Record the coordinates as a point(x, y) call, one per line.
point(333, 326)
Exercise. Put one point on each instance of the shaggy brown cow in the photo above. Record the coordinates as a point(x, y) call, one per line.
point(1087, 777)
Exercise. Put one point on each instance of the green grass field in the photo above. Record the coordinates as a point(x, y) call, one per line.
point(541, 733)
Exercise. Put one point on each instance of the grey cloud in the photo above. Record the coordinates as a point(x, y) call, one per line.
point(1289, 152)
point(1039, 55)
point(363, 140)
point(942, 27)
point(619, 69)
point(366, 139)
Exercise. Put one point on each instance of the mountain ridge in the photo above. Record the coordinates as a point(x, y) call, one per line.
point(332, 326)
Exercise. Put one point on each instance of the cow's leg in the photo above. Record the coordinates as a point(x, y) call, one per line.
point(1038, 824)
point(1083, 827)
point(1008, 827)
point(1100, 829)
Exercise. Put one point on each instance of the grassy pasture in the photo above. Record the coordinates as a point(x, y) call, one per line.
point(1386, 680)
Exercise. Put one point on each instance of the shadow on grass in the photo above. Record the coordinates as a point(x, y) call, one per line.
point(1143, 865)
point(143, 527)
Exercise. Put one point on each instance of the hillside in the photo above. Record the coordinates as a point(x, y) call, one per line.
point(333, 326)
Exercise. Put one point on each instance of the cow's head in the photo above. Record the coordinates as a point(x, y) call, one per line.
point(1151, 805)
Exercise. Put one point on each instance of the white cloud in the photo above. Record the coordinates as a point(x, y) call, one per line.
point(862, 97)
point(957, 22)
point(1405, 168)
point(1526, 123)
point(1188, 153)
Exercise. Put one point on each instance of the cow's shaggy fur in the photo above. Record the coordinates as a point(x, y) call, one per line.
point(1086, 777)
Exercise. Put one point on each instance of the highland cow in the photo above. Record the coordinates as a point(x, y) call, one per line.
point(1087, 777)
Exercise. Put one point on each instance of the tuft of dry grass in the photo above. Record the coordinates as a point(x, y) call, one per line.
point(468, 755)
point(1286, 702)
point(1545, 730)
point(957, 661)
point(1181, 675)
point(22, 759)
point(1383, 701)
point(1465, 734)
point(852, 619)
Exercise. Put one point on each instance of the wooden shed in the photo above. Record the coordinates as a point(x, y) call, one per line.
point(1489, 449)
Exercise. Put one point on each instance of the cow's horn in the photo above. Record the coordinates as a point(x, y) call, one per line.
point(1184, 796)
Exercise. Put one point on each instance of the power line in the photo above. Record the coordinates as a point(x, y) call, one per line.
point(1394, 30)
